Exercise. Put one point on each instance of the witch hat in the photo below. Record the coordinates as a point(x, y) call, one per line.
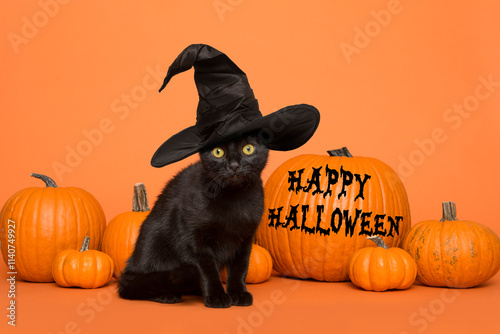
point(227, 108)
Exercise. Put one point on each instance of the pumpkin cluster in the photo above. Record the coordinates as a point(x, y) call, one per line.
point(320, 209)
point(322, 215)
point(53, 222)
point(48, 221)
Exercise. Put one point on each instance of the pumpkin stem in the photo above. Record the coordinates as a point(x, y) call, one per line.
point(85, 244)
point(378, 240)
point(449, 211)
point(140, 200)
point(48, 181)
point(341, 152)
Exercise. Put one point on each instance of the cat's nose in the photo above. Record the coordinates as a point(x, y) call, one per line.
point(234, 166)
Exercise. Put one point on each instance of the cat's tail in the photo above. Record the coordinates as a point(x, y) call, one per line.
point(161, 287)
point(136, 285)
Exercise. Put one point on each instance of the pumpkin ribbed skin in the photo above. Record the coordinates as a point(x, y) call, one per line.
point(122, 231)
point(87, 269)
point(381, 269)
point(325, 257)
point(120, 237)
point(49, 220)
point(453, 253)
point(260, 266)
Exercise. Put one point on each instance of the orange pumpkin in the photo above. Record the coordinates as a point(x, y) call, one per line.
point(86, 268)
point(122, 231)
point(381, 268)
point(259, 268)
point(453, 253)
point(41, 222)
point(320, 209)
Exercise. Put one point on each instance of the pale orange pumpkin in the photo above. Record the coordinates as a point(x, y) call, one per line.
point(381, 268)
point(259, 268)
point(453, 253)
point(41, 222)
point(122, 231)
point(86, 268)
point(320, 209)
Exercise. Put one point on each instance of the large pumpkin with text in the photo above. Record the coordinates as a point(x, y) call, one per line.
point(320, 209)
point(36, 223)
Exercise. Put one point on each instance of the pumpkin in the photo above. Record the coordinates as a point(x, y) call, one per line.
point(260, 266)
point(122, 231)
point(45, 221)
point(86, 268)
point(453, 253)
point(381, 268)
point(320, 209)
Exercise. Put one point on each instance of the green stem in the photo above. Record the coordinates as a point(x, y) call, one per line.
point(140, 200)
point(85, 244)
point(449, 211)
point(378, 240)
point(48, 181)
point(341, 152)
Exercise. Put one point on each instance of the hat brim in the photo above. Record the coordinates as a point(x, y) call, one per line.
point(283, 130)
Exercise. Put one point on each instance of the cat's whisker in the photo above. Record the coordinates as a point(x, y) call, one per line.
point(215, 185)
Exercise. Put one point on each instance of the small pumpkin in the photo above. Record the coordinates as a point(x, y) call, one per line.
point(453, 253)
point(46, 221)
point(381, 268)
point(86, 268)
point(260, 266)
point(320, 209)
point(122, 231)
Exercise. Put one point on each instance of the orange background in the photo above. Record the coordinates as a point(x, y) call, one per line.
point(387, 76)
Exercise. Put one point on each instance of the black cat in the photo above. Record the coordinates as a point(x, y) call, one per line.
point(204, 219)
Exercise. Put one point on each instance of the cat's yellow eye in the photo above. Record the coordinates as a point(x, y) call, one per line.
point(218, 152)
point(248, 149)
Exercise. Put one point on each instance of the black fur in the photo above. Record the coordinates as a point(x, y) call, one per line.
point(204, 219)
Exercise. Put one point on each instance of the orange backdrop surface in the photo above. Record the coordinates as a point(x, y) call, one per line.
point(415, 84)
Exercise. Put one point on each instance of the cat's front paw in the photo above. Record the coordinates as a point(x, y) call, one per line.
point(242, 299)
point(218, 301)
